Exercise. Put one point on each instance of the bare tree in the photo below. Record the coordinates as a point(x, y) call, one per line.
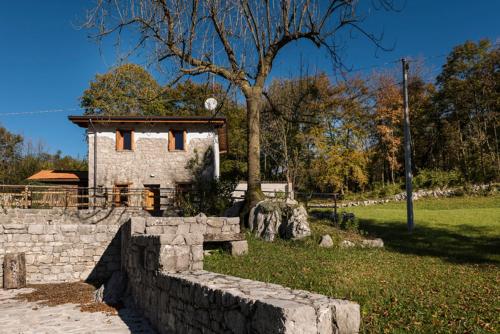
point(237, 40)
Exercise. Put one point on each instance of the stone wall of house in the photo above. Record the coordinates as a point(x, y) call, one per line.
point(63, 245)
point(170, 289)
point(150, 162)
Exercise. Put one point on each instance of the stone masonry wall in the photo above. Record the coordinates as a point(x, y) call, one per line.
point(63, 245)
point(150, 162)
point(181, 225)
point(72, 245)
point(170, 243)
point(169, 287)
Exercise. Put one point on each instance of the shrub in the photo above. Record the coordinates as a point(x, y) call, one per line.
point(208, 195)
point(388, 190)
point(435, 178)
point(349, 222)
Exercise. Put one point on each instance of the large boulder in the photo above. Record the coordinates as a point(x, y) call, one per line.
point(295, 225)
point(274, 218)
point(264, 220)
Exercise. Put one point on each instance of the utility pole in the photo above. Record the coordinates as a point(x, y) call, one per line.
point(407, 147)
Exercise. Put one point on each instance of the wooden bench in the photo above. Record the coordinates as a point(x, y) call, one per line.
point(234, 243)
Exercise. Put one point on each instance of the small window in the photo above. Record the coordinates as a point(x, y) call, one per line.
point(124, 140)
point(177, 140)
point(121, 195)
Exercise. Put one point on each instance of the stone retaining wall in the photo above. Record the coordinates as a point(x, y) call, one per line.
point(63, 245)
point(71, 245)
point(112, 216)
point(169, 287)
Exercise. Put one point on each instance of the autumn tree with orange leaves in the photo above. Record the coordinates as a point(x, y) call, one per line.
point(387, 120)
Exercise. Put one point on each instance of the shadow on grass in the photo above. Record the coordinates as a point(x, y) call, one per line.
point(452, 246)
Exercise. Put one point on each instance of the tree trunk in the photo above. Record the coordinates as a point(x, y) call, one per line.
point(254, 192)
point(14, 271)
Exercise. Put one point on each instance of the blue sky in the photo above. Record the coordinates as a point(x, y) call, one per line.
point(46, 61)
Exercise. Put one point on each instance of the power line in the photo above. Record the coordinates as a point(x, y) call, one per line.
point(409, 60)
point(38, 112)
point(372, 66)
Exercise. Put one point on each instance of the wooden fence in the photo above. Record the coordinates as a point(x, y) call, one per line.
point(34, 196)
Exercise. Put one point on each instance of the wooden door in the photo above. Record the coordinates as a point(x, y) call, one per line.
point(149, 199)
point(152, 198)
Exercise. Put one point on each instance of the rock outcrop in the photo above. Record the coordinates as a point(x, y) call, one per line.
point(272, 218)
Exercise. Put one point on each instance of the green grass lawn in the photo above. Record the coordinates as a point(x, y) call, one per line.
point(445, 278)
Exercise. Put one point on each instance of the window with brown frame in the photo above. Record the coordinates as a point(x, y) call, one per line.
point(177, 140)
point(124, 140)
point(121, 195)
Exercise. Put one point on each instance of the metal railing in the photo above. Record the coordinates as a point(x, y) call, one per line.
point(35, 196)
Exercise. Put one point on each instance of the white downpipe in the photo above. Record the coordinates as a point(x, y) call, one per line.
point(216, 157)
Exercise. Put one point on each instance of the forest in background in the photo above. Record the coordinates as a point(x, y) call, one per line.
point(321, 134)
point(20, 158)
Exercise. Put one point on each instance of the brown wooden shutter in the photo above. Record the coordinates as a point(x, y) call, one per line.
point(119, 140)
point(223, 144)
point(171, 140)
point(132, 142)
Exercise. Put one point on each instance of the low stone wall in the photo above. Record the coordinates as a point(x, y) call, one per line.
point(417, 194)
point(63, 245)
point(204, 302)
point(169, 287)
point(181, 225)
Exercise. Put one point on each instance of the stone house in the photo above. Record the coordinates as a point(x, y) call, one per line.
point(148, 153)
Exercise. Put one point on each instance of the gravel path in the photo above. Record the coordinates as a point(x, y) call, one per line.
point(22, 317)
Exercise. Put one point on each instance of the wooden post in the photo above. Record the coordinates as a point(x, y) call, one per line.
point(336, 218)
point(25, 197)
point(14, 271)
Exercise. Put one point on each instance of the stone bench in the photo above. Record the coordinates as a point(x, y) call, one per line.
point(234, 243)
